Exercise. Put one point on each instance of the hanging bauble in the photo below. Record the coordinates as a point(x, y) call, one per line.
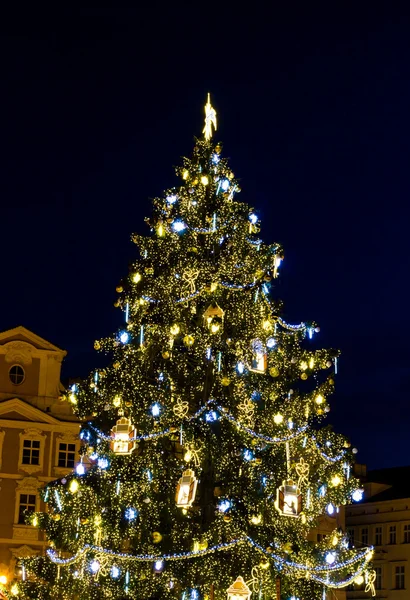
point(56, 517)
point(274, 372)
point(189, 340)
point(97, 345)
point(289, 499)
point(119, 289)
point(218, 148)
point(239, 590)
point(128, 404)
point(116, 365)
point(227, 518)
point(166, 354)
point(329, 363)
point(186, 489)
point(84, 521)
point(191, 190)
point(156, 537)
point(304, 376)
point(123, 436)
point(225, 381)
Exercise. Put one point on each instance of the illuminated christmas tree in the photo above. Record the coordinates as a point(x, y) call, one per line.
point(204, 468)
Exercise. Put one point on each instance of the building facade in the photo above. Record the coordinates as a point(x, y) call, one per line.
point(38, 439)
point(382, 520)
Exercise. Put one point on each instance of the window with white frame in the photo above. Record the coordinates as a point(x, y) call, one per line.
point(399, 577)
point(66, 455)
point(378, 582)
point(27, 505)
point(392, 534)
point(378, 536)
point(406, 534)
point(365, 536)
point(27, 501)
point(31, 450)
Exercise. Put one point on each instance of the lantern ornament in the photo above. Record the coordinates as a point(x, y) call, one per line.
point(214, 317)
point(186, 489)
point(289, 499)
point(259, 357)
point(239, 590)
point(122, 436)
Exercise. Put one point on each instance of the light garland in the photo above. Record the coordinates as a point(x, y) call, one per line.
point(223, 414)
point(281, 562)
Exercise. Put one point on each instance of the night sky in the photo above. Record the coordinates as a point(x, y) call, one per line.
point(98, 105)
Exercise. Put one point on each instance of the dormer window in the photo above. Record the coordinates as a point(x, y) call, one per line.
point(16, 374)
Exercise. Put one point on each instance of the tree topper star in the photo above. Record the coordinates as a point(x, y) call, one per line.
point(210, 119)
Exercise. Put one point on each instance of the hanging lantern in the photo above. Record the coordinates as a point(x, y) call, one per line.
point(122, 434)
point(214, 317)
point(239, 590)
point(186, 489)
point(289, 499)
point(259, 362)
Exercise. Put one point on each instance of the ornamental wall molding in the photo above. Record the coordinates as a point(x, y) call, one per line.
point(24, 552)
point(28, 484)
point(32, 433)
point(25, 532)
point(68, 437)
point(19, 352)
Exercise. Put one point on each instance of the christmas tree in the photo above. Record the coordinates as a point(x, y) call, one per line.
point(203, 467)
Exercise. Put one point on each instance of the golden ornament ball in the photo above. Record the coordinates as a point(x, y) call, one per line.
point(331, 381)
point(84, 521)
point(156, 537)
point(166, 354)
point(116, 365)
point(274, 372)
point(319, 411)
point(225, 381)
point(97, 345)
point(203, 544)
point(218, 148)
point(56, 517)
point(116, 303)
point(189, 340)
point(304, 376)
point(128, 404)
point(227, 518)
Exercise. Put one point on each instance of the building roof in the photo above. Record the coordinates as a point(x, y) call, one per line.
point(398, 480)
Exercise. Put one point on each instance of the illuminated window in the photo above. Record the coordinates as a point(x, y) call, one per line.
point(399, 578)
point(378, 536)
point(27, 504)
point(392, 534)
point(406, 537)
point(66, 455)
point(31, 452)
point(16, 374)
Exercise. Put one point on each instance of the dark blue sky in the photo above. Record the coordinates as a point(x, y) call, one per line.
point(314, 111)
